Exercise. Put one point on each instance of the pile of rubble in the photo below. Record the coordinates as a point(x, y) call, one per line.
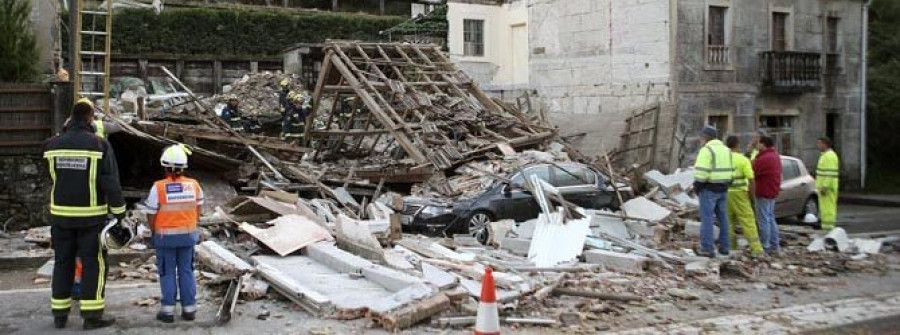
point(321, 223)
point(258, 92)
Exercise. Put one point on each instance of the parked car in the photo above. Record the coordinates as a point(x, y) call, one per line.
point(578, 184)
point(798, 195)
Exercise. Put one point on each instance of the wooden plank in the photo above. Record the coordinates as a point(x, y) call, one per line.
point(24, 109)
point(317, 96)
point(24, 128)
point(21, 143)
point(401, 138)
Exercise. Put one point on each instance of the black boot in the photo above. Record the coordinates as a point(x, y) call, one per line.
point(97, 322)
point(60, 321)
point(188, 316)
point(167, 318)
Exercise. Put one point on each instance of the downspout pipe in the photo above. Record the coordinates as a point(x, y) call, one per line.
point(864, 53)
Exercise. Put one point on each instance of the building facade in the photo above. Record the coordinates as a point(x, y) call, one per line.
point(790, 67)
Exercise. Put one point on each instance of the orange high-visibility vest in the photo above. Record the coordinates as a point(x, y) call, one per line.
point(178, 201)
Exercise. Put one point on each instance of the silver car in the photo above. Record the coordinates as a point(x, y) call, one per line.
point(798, 195)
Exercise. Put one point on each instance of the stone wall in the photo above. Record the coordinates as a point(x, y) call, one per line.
point(736, 90)
point(594, 61)
point(24, 190)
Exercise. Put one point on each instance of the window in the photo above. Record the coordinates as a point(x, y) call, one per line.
point(716, 25)
point(779, 31)
point(789, 170)
point(832, 35)
point(542, 172)
point(782, 131)
point(720, 122)
point(473, 37)
point(572, 176)
point(718, 42)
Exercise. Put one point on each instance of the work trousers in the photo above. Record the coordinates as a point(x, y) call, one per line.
point(768, 227)
point(828, 208)
point(176, 278)
point(740, 212)
point(69, 243)
point(713, 205)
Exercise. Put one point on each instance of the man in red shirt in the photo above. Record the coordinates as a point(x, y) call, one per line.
point(767, 169)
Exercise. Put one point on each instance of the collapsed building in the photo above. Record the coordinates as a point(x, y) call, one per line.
point(321, 223)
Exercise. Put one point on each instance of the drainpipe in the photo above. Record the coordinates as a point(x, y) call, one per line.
point(863, 92)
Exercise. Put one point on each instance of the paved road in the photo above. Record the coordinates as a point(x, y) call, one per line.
point(868, 219)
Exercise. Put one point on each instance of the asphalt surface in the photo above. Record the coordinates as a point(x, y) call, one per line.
point(868, 219)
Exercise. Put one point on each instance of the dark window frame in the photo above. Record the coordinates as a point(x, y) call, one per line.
point(473, 32)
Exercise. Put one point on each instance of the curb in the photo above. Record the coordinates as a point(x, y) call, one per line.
point(789, 320)
point(868, 201)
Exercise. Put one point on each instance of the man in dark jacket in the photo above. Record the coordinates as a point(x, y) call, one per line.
point(85, 190)
point(767, 169)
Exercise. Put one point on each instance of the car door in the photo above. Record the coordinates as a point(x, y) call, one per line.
point(580, 185)
point(516, 202)
point(790, 199)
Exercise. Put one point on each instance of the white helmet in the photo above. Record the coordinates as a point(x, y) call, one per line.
point(175, 156)
point(116, 234)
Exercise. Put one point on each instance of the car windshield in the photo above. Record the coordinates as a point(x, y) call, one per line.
point(542, 172)
point(572, 176)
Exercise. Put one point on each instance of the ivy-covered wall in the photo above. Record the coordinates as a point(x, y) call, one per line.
point(205, 31)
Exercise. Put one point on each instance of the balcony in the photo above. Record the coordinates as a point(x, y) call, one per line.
point(790, 71)
point(718, 55)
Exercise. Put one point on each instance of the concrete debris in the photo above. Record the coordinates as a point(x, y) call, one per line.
point(641, 208)
point(619, 262)
point(253, 288)
point(46, 270)
point(438, 277)
point(837, 240)
point(356, 237)
point(288, 233)
point(221, 260)
point(682, 294)
point(38, 235)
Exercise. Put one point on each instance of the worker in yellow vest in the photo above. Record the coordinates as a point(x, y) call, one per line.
point(827, 175)
point(712, 174)
point(740, 209)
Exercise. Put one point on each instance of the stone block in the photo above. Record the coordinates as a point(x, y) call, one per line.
point(619, 262)
point(692, 229)
point(516, 246)
point(641, 208)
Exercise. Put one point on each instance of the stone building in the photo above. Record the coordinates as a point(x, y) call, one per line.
point(791, 67)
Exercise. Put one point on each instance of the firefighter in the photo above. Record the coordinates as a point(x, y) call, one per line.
point(827, 175)
point(295, 119)
point(174, 203)
point(232, 114)
point(283, 102)
point(85, 190)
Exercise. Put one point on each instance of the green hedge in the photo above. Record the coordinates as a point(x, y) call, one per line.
point(203, 31)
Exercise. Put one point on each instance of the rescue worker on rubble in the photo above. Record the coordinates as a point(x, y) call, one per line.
point(101, 128)
point(85, 191)
point(740, 209)
point(283, 102)
point(174, 203)
point(232, 114)
point(712, 175)
point(295, 117)
point(827, 176)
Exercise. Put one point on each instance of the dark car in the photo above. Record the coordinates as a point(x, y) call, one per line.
point(578, 184)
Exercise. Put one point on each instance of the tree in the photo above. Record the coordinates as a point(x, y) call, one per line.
point(883, 86)
point(18, 46)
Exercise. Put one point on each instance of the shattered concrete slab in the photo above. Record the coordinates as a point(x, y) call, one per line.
point(356, 237)
point(221, 260)
point(261, 205)
point(837, 239)
point(642, 208)
point(438, 277)
point(607, 223)
point(334, 257)
point(670, 184)
point(619, 262)
point(516, 246)
point(289, 233)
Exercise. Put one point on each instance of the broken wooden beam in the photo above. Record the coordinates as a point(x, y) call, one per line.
point(411, 314)
point(599, 295)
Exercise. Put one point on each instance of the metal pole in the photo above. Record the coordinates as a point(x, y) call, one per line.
point(862, 94)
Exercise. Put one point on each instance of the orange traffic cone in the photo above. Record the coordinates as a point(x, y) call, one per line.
point(488, 320)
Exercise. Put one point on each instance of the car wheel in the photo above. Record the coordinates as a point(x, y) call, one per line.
point(478, 226)
point(810, 207)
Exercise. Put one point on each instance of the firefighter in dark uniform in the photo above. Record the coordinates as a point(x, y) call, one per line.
point(232, 115)
point(85, 191)
point(295, 117)
point(283, 102)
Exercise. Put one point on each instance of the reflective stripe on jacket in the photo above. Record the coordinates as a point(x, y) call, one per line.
point(743, 173)
point(828, 170)
point(178, 201)
point(713, 164)
point(84, 174)
point(99, 129)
